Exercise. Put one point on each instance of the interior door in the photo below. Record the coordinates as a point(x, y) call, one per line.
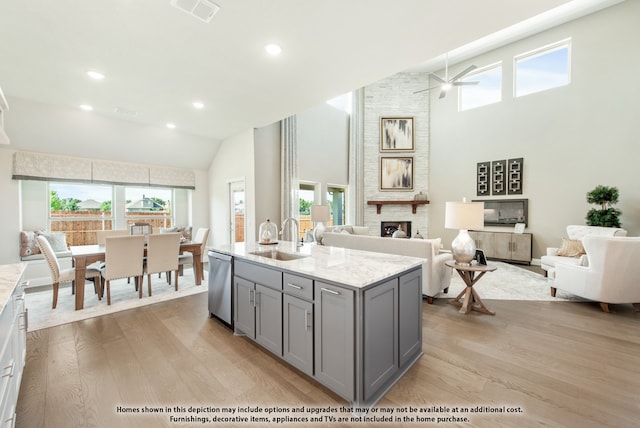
point(236, 212)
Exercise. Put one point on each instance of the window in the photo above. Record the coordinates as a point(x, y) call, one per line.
point(307, 198)
point(148, 205)
point(335, 199)
point(79, 210)
point(487, 91)
point(542, 69)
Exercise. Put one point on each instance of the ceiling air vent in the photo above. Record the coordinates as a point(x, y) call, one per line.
point(204, 10)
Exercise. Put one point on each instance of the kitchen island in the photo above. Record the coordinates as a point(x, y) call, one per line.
point(350, 319)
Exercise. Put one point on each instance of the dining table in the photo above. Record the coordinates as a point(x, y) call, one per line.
point(84, 255)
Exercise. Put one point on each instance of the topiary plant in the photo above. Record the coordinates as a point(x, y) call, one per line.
point(606, 216)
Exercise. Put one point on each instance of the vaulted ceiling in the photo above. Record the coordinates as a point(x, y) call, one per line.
point(158, 59)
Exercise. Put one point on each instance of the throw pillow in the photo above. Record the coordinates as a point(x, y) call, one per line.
point(58, 240)
point(29, 243)
point(571, 248)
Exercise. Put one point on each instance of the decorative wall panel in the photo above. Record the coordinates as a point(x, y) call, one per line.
point(498, 177)
point(515, 176)
point(483, 181)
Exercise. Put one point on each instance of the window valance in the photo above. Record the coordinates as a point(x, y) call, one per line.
point(49, 167)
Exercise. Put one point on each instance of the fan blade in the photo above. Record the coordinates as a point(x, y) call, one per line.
point(438, 78)
point(443, 93)
point(463, 72)
point(464, 83)
point(426, 89)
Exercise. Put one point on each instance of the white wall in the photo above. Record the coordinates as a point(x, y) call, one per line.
point(234, 161)
point(10, 213)
point(571, 138)
point(323, 147)
point(267, 176)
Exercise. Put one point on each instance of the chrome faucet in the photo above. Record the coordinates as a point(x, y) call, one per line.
point(284, 231)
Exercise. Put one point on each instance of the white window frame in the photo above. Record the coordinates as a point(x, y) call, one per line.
point(544, 50)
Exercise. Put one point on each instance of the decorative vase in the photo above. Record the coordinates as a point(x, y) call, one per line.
point(268, 232)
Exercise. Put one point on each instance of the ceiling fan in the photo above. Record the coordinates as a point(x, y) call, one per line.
point(447, 83)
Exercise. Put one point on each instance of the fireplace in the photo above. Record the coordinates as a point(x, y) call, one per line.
point(388, 227)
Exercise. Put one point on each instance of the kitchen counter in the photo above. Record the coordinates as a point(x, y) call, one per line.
point(353, 268)
point(9, 277)
point(350, 319)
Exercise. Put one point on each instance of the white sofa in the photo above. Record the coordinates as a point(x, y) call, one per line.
point(575, 232)
point(436, 276)
point(611, 275)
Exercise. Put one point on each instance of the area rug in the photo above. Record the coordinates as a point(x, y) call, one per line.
point(509, 282)
point(123, 297)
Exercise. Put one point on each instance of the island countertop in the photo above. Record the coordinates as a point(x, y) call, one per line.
point(353, 268)
point(9, 277)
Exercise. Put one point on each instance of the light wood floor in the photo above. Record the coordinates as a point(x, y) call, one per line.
point(564, 364)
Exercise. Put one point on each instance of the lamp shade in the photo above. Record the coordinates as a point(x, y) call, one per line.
point(320, 213)
point(464, 215)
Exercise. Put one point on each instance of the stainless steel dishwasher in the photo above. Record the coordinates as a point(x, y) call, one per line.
point(220, 287)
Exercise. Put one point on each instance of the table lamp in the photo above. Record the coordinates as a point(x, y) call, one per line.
point(464, 216)
point(319, 214)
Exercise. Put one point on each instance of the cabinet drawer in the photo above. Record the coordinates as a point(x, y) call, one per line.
point(258, 274)
point(298, 286)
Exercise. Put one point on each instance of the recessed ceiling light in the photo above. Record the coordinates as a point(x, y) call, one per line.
point(86, 107)
point(198, 104)
point(273, 49)
point(95, 75)
point(171, 125)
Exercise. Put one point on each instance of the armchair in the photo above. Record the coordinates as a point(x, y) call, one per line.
point(612, 273)
point(575, 233)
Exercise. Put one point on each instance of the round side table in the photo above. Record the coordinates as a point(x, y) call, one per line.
point(471, 301)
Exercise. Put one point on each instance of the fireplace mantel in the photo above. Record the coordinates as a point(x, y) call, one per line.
point(413, 202)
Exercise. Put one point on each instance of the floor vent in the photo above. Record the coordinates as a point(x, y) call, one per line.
point(204, 10)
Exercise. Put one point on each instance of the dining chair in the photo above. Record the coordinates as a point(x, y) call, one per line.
point(162, 256)
point(187, 258)
point(65, 275)
point(103, 234)
point(123, 258)
point(141, 228)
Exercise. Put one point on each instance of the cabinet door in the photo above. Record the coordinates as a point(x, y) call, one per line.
point(409, 296)
point(502, 246)
point(521, 247)
point(485, 241)
point(298, 333)
point(381, 360)
point(269, 318)
point(244, 307)
point(334, 338)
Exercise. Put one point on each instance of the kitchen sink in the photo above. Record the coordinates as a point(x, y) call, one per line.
point(279, 255)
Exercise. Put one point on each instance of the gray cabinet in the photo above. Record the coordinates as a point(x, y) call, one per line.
point(335, 338)
point(381, 340)
point(244, 306)
point(258, 304)
point(507, 246)
point(355, 341)
point(410, 317)
point(298, 333)
point(269, 318)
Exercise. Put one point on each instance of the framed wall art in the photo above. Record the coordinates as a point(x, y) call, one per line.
point(396, 134)
point(396, 173)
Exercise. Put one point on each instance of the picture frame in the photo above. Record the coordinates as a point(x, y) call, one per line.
point(396, 173)
point(396, 134)
point(519, 228)
point(480, 257)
